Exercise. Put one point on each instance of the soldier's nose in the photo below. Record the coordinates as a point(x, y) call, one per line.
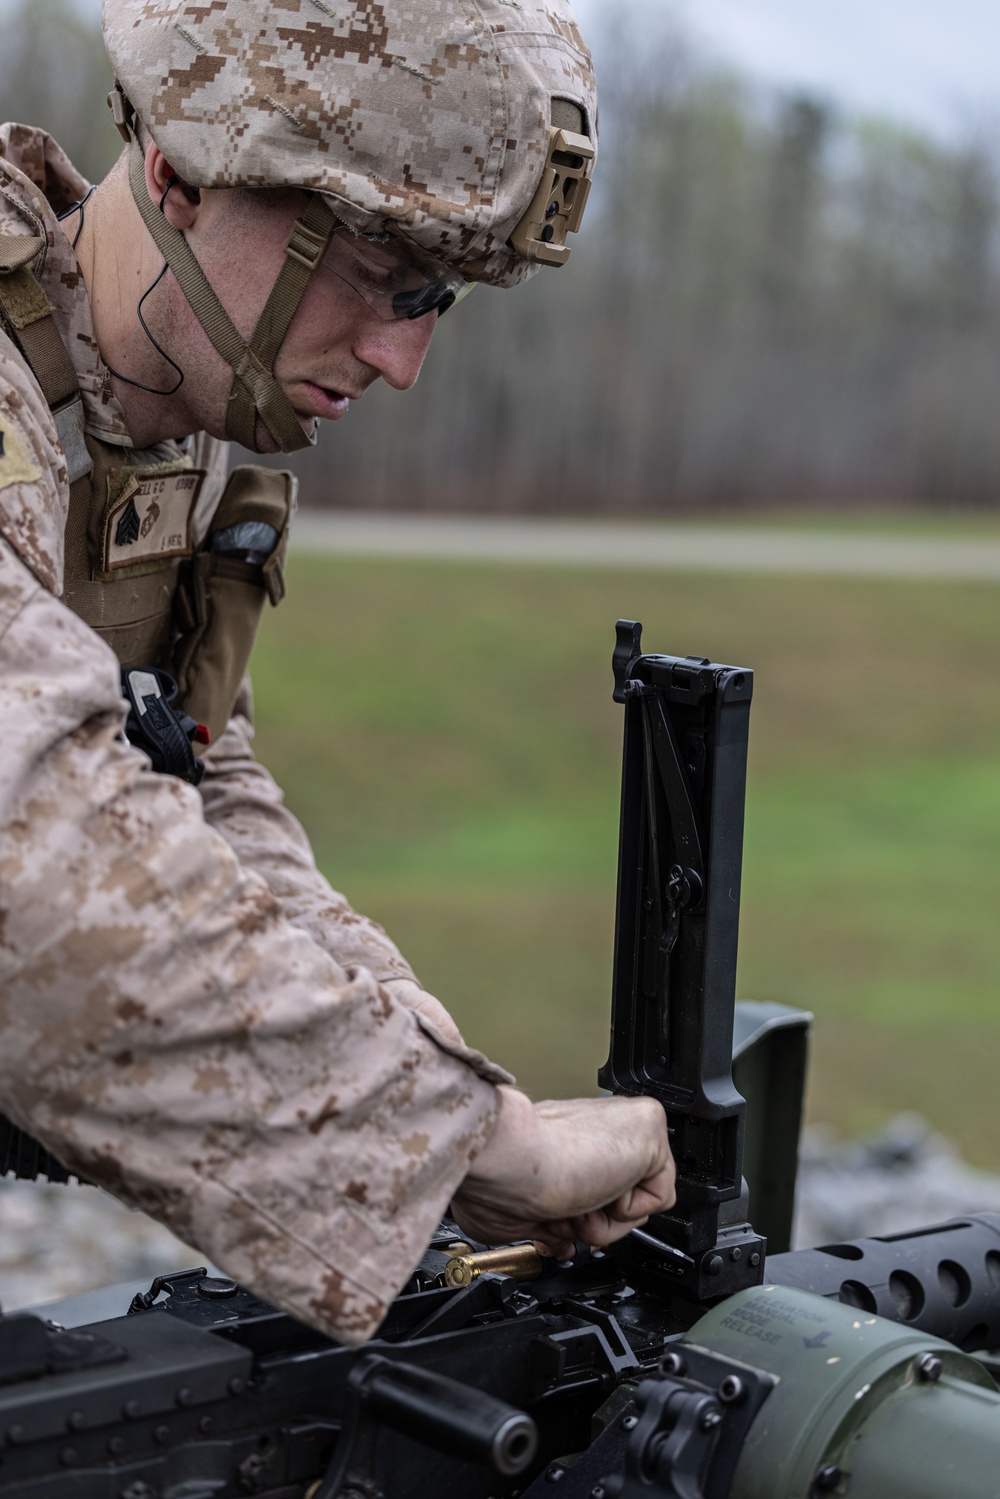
point(395, 349)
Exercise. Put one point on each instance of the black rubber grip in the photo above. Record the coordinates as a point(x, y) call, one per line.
point(442, 1413)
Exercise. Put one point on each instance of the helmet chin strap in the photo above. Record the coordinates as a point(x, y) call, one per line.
point(255, 391)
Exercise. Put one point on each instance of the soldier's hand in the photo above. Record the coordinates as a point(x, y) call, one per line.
point(588, 1169)
point(415, 998)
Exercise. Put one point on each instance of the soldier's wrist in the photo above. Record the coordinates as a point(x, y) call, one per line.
point(511, 1149)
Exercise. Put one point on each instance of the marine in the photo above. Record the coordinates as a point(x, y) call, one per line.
point(190, 1015)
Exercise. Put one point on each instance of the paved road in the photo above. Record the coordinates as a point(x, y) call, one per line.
point(667, 546)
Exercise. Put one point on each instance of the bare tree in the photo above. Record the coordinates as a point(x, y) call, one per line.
point(771, 304)
point(55, 73)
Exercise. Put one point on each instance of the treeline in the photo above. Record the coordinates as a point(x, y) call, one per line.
point(771, 304)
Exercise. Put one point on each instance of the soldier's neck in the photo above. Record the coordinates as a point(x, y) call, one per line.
point(119, 263)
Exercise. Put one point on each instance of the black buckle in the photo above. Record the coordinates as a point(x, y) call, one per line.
point(155, 726)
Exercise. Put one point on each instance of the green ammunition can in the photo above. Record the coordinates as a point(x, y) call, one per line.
point(862, 1406)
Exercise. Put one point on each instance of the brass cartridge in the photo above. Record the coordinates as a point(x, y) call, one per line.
point(520, 1261)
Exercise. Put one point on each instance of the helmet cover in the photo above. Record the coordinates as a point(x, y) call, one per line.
point(430, 117)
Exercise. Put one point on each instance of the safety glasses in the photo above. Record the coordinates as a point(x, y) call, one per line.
point(394, 283)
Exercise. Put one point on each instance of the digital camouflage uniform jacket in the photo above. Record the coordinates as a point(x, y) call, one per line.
point(190, 1015)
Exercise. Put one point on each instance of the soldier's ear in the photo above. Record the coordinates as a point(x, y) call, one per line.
point(180, 203)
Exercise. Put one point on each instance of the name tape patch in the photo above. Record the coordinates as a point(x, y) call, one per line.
point(151, 521)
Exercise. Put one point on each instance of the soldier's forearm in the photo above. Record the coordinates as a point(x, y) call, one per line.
point(244, 804)
point(169, 1033)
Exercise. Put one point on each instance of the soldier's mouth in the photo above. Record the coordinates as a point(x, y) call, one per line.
point(331, 405)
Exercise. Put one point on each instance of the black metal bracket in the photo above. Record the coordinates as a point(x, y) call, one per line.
point(596, 1354)
point(143, 1301)
point(30, 1348)
point(680, 857)
point(692, 1423)
point(732, 1262)
point(487, 1294)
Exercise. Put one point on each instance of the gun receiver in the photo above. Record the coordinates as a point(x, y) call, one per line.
point(674, 994)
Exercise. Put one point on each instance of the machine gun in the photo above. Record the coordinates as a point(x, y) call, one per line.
point(685, 1363)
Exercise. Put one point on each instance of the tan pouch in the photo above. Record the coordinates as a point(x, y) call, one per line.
point(220, 600)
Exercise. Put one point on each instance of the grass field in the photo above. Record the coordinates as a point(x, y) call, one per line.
point(447, 734)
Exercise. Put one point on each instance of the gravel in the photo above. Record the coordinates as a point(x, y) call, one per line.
point(907, 1177)
point(59, 1240)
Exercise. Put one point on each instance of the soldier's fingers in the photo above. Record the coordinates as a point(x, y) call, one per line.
point(599, 1229)
point(555, 1245)
point(654, 1195)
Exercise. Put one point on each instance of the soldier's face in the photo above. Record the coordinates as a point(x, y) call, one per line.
point(337, 344)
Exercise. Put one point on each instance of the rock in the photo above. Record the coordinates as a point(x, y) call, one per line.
point(57, 1240)
point(906, 1177)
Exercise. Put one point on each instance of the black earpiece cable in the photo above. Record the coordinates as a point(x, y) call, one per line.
point(172, 181)
point(78, 208)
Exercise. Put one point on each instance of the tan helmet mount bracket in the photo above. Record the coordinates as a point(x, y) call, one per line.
point(255, 391)
point(558, 205)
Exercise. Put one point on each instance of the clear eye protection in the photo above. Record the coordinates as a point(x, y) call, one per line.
point(390, 279)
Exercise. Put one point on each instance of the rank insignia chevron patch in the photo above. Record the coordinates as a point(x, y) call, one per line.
point(127, 532)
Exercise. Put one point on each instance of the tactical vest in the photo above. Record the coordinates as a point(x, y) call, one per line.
point(132, 570)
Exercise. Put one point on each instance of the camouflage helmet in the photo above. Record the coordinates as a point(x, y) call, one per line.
point(435, 119)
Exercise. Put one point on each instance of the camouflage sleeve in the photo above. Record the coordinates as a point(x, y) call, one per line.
point(168, 1032)
point(243, 803)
